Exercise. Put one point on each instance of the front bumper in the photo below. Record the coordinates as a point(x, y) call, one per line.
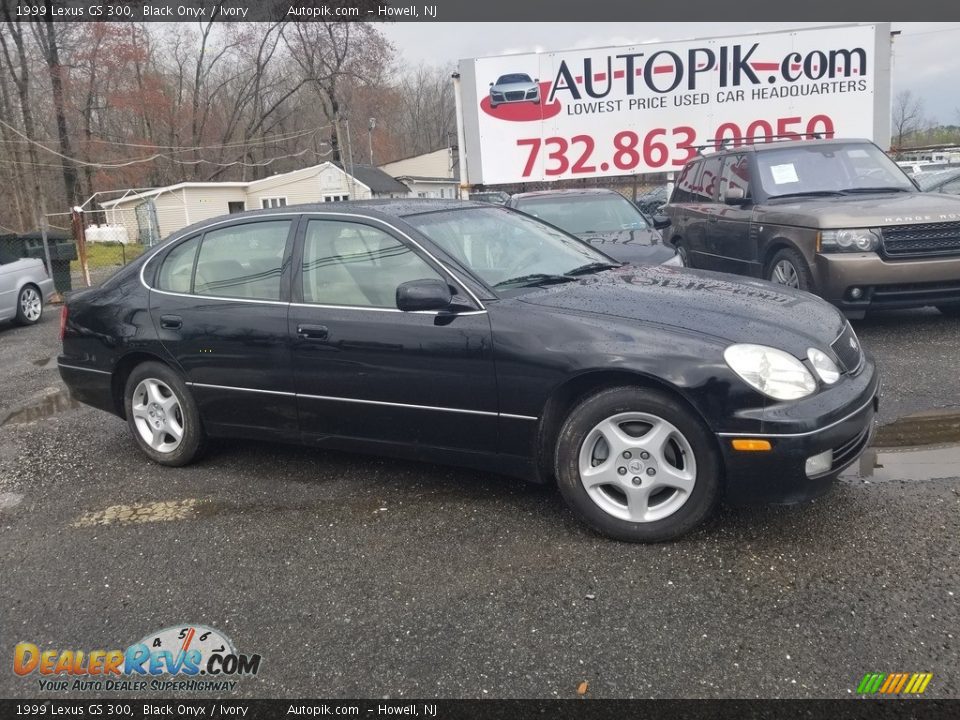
point(779, 474)
point(886, 284)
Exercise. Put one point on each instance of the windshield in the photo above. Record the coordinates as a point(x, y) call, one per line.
point(827, 169)
point(517, 78)
point(585, 214)
point(928, 180)
point(505, 248)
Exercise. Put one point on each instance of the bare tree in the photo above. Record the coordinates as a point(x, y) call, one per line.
point(907, 116)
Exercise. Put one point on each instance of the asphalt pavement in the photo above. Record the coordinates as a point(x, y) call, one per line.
point(355, 576)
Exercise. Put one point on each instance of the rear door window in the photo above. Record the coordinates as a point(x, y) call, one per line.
point(683, 191)
point(242, 261)
point(709, 180)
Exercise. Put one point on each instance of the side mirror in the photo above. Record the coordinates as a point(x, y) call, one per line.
point(491, 84)
point(426, 294)
point(735, 196)
point(661, 222)
point(536, 80)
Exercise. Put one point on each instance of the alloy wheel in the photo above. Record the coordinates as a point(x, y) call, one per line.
point(785, 273)
point(157, 415)
point(30, 304)
point(637, 467)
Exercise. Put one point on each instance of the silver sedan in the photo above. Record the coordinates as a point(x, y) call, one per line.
point(24, 287)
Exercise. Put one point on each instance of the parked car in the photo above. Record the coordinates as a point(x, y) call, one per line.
point(514, 88)
point(834, 217)
point(939, 181)
point(24, 288)
point(603, 218)
point(496, 197)
point(403, 328)
point(651, 201)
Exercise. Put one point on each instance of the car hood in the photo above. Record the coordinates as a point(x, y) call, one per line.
point(515, 87)
point(702, 303)
point(642, 247)
point(861, 210)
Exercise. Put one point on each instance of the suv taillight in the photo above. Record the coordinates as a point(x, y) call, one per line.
point(63, 321)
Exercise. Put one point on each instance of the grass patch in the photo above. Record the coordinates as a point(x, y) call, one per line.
point(101, 255)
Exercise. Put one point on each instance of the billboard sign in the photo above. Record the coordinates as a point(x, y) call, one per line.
point(645, 108)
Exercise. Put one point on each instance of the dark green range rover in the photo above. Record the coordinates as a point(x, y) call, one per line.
point(835, 217)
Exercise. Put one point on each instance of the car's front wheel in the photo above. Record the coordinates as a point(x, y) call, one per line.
point(162, 415)
point(683, 253)
point(637, 465)
point(789, 268)
point(950, 310)
point(29, 305)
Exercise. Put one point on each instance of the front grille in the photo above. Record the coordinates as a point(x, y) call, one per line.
point(843, 454)
point(925, 240)
point(847, 349)
point(515, 95)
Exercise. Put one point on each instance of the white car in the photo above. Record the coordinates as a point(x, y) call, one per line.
point(24, 287)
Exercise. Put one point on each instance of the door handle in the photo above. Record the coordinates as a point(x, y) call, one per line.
point(171, 322)
point(312, 332)
point(713, 219)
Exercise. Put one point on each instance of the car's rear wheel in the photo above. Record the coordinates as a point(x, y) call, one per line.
point(637, 465)
point(162, 415)
point(950, 310)
point(29, 305)
point(683, 253)
point(790, 269)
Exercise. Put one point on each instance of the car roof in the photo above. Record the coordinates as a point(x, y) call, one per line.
point(781, 145)
point(383, 209)
point(562, 193)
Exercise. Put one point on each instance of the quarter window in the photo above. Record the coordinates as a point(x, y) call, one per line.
point(347, 263)
point(242, 261)
point(176, 273)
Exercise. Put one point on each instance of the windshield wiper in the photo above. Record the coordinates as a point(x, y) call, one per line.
point(875, 189)
point(808, 193)
point(534, 279)
point(591, 268)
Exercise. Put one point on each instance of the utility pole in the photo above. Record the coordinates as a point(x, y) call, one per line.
point(371, 124)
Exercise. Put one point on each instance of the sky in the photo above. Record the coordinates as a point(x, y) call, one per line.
point(925, 59)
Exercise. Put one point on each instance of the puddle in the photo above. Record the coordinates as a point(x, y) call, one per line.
point(921, 446)
point(49, 405)
point(909, 464)
point(49, 363)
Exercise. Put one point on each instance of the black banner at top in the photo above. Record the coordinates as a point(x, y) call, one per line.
point(508, 11)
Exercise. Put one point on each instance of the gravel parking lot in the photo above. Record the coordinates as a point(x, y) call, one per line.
point(365, 577)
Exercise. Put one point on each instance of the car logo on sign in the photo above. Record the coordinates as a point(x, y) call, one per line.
point(853, 344)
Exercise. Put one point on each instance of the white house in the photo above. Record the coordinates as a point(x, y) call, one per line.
point(148, 215)
point(433, 174)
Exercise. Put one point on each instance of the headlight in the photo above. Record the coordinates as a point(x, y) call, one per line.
point(773, 372)
point(826, 368)
point(675, 261)
point(854, 240)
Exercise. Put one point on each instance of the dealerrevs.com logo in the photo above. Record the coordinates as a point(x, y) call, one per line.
point(186, 657)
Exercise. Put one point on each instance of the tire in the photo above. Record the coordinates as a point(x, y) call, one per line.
point(789, 265)
point(683, 253)
point(950, 310)
point(159, 407)
point(619, 506)
point(29, 305)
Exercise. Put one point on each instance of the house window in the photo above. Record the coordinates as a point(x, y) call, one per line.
point(236, 207)
point(336, 198)
point(274, 202)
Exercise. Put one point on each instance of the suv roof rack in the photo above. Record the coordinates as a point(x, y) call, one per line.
point(719, 144)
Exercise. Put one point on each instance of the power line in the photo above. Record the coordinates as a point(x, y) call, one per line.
point(266, 140)
point(151, 158)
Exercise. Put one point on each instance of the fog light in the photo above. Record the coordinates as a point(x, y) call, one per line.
point(819, 464)
point(856, 293)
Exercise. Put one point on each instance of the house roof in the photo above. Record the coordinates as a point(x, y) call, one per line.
point(361, 174)
point(377, 180)
point(427, 179)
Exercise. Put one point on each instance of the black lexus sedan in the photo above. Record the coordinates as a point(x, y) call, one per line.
point(471, 334)
point(605, 219)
